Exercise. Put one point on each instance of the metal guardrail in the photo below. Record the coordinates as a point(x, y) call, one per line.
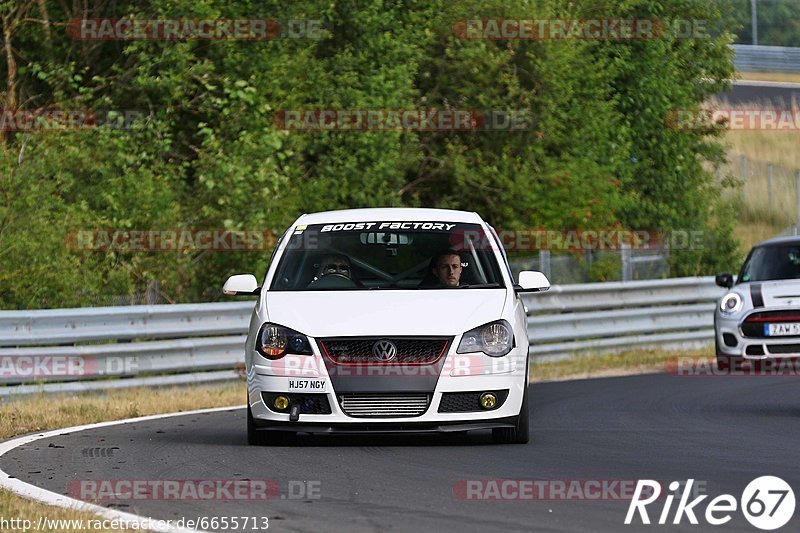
point(68, 326)
point(165, 342)
point(598, 317)
point(61, 345)
point(756, 58)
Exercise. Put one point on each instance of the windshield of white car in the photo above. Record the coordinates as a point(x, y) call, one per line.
point(771, 263)
point(381, 255)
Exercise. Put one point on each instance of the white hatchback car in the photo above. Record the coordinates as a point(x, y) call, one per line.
point(758, 319)
point(388, 320)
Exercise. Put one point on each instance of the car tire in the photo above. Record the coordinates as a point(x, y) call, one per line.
point(262, 437)
point(254, 437)
point(520, 433)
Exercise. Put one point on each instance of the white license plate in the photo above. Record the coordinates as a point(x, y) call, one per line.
point(307, 385)
point(785, 328)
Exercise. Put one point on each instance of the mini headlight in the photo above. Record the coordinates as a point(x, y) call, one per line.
point(495, 339)
point(275, 341)
point(730, 304)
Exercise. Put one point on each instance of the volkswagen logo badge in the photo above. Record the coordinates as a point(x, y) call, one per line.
point(384, 351)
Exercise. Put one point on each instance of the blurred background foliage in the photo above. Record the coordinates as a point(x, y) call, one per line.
point(208, 154)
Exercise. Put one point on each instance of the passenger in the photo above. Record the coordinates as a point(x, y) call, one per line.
point(335, 264)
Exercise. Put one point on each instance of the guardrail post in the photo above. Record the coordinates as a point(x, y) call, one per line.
point(625, 259)
point(544, 262)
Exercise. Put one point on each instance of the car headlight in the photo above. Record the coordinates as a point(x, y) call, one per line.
point(730, 304)
point(275, 341)
point(495, 339)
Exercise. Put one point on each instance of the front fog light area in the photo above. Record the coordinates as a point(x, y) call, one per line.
point(495, 339)
point(488, 400)
point(281, 403)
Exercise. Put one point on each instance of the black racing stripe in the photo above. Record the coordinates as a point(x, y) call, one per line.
point(756, 296)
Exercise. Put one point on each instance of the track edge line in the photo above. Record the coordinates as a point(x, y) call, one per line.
point(32, 492)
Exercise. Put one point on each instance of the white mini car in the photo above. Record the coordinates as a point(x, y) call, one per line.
point(759, 318)
point(388, 320)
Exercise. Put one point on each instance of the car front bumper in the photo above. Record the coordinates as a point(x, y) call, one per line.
point(513, 380)
point(732, 342)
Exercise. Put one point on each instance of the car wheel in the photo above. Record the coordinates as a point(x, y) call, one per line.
point(261, 437)
point(520, 433)
point(254, 437)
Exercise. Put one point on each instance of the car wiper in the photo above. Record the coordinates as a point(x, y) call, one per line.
point(480, 286)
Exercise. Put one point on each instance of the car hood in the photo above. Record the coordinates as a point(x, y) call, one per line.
point(778, 293)
point(355, 313)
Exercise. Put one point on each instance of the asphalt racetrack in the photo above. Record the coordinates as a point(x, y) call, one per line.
point(721, 431)
point(759, 94)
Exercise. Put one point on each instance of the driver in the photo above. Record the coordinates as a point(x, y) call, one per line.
point(447, 269)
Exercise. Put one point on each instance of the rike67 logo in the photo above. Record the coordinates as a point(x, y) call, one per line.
point(767, 503)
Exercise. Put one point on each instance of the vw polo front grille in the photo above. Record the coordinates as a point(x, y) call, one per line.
point(385, 350)
point(384, 405)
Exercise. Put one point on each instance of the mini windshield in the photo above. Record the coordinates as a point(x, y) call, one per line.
point(388, 255)
point(772, 262)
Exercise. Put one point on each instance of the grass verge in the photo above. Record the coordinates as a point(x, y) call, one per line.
point(607, 365)
point(792, 77)
point(38, 413)
point(761, 211)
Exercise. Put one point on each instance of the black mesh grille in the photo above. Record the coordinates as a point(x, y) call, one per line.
point(350, 350)
point(730, 339)
point(754, 349)
point(784, 348)
point(463, 402)
point(310, 404)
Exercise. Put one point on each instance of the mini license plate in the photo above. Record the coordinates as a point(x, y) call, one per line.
point(784, 328)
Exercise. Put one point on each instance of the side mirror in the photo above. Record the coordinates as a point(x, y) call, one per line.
point(532, 281)
point(240, 284)
point(724, 280)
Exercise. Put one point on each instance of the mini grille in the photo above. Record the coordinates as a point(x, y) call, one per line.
point(384, 405)
point(409, 350)
point(753, 325)
point(784, 349)
point(774, 316)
